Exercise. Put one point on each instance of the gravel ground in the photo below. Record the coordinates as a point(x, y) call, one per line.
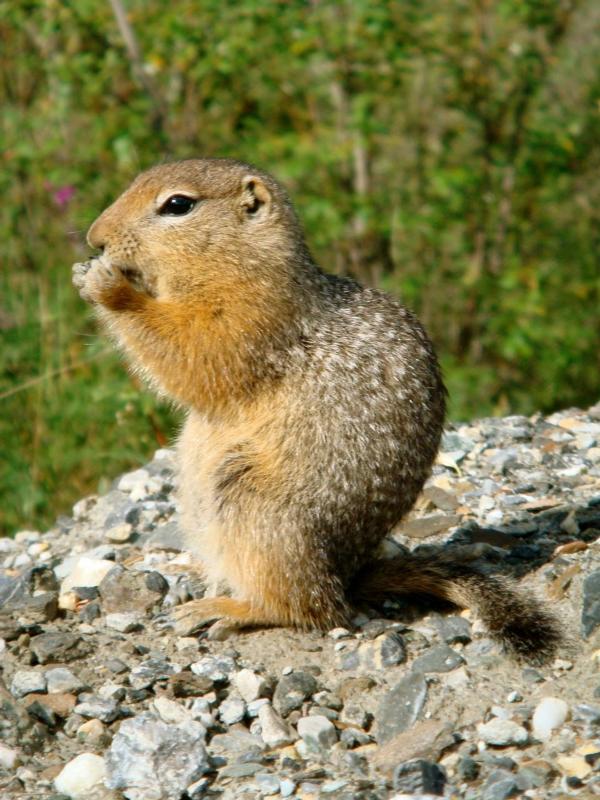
point(97, 700)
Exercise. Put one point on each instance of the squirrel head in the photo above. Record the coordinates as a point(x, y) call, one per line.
point(201, 225)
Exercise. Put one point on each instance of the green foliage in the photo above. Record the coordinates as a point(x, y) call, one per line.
point(446, 151)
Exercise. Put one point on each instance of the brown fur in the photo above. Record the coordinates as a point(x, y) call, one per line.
point(314, 406)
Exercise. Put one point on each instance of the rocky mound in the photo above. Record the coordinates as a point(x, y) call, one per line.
point(97, 700)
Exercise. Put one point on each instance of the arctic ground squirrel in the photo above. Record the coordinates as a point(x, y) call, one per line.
point(314, 407)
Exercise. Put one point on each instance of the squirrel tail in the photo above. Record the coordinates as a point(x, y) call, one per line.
point(519, 621)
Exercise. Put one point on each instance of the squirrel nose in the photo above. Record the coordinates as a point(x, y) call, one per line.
point(96, 235)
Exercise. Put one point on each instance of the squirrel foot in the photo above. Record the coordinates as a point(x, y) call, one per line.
point(226, 613)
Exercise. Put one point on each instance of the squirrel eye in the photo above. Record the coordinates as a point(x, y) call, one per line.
point(177, 205)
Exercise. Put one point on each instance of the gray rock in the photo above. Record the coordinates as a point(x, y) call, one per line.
point(453, 629)
point(26, 682)
point(287, 787)
point(16, 591)
point(244, 770)
point(467, 768)
point(317, 733)
point(454, 441)
point(61, 679)
point(31, 597)
point(119, 533)
point(438, 659)
point(127, 591)
point(153, 760)
point(254, 706)
point(148, 672)
point(292, 690)
point(123, 621)
point(590, 614)
point(232, 710)
point(354, 715)
point(114, 508)
point(217, 668)
point(500, 785)
point(400, 706)
point(94, 707)
point(267, 784)
point(156, 583)
point(419, 777)
point(389, 649)
point(587, 713)
point(138, 481)
point(250, 685)
point(57, 646)
point(353, 737)
point(116, 666)
point(16, 726)
point(502, 732)
point(274, 731)
point(237, 743)
point(165, 537)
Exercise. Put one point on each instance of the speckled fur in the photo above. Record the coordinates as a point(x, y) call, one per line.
point(314, 406)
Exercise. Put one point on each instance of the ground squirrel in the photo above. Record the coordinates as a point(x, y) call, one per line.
point(314, 406)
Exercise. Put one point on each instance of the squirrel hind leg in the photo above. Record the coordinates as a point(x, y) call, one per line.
point(322, 606)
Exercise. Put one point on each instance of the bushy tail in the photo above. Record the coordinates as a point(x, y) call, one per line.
point(518, 620)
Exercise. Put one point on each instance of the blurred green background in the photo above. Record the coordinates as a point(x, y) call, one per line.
point(446, 150)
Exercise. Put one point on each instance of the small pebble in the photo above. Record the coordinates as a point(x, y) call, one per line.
point(27, 682)
point(81, 776)
point(549, 715)
point(502, 732)
point(317, 732)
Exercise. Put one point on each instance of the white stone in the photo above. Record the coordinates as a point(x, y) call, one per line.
point(9, 758)
point(250, 685)
point(217, 668)
point(86, 572)
point(61, 679)
point(7, 545)
point(287, 787)
point(22, 560)
point(81, 776)
point(457, 679)
point(151, 760)
point(339, 633)
point(254, 707)
point(92, 731)
point(170, 711)
point(119, 533)
point(37, 548)
point(232, 710)
point(112, 691)
point(275, 732)
point(501, 732)
point(27, 537)
point(27, 681)
point(317, 733)
point(124, 621)
point(138, 479)
point(549, 715)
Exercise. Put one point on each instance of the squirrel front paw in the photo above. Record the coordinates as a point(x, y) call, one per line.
point(95, 278)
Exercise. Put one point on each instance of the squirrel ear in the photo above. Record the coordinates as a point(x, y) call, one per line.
point(256, 197)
